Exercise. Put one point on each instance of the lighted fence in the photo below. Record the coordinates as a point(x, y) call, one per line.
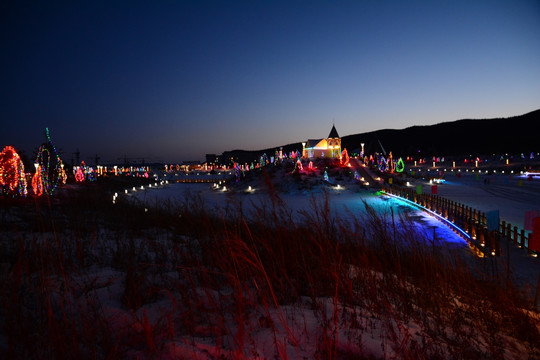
point(472, 221)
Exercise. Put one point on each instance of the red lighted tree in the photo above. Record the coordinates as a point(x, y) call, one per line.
point(12, 176)
point(344, 158)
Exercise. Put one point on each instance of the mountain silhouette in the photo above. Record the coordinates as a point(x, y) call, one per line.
point(512, 135)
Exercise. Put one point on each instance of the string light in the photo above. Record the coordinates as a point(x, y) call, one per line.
point(79, 175)
point(400, 166)
point(12, 176)
point(50, 165)
point(37, 181)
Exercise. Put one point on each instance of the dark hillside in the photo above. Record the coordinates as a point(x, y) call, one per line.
point(462, 137)
point(518, 134)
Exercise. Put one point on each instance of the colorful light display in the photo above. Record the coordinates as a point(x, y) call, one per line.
point(79, 175)
point(383, 164)
point(63, 175)
point(37, 182)
point(400, 166)
point(49, 164)
point(12, 176)
point(344, 160)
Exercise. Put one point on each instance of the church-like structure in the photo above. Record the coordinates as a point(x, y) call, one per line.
point(329, 147)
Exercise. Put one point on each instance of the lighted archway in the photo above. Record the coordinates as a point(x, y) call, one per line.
point(49, 163)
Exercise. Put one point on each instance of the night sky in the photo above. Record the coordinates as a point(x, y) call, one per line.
point(173, 80)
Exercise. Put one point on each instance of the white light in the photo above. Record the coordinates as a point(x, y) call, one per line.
point(126, 191)
point(134, 189)
point(249, 188)
point(224, 188)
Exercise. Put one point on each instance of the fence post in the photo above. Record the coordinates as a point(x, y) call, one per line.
point(522, 240)
point(480, 237)
point(502, 227)
point(515, 235)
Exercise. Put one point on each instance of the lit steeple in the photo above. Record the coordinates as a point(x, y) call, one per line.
point(333, 133)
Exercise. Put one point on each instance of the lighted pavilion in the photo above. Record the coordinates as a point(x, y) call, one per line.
point(329, 147)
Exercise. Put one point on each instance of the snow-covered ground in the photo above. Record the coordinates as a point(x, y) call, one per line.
point(344, 203)
point(302, 329)
point(512, 196)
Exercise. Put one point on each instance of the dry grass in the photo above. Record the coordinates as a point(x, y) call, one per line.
point(82, 278)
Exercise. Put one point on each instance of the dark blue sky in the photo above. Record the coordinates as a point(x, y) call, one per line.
point(173, 80)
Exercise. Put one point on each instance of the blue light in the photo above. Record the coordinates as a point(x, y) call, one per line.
point(446, 221)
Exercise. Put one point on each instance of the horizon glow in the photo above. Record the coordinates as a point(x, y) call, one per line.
point(168, 82)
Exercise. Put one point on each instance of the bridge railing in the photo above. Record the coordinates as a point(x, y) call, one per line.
point(471, 220)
